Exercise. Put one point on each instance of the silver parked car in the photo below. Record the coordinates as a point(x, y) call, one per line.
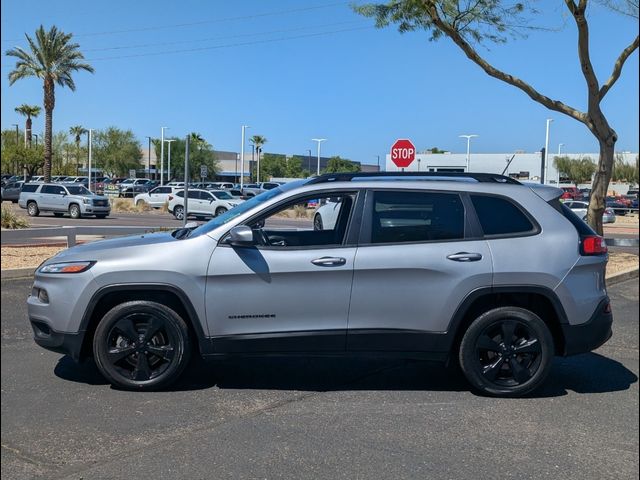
point(454, 270)
point(581, 209)
point(69, 198)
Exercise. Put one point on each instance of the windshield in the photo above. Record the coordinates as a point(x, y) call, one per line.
point(78, 191)
point(243, 207)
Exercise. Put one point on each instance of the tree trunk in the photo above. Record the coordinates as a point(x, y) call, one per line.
point(49, 103)
point(28, 130)
point(601, 183)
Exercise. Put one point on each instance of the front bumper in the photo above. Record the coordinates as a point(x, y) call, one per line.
point(94, 210)
point(65, 343)
point(589, 335)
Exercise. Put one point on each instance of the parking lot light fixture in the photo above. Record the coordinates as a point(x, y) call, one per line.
point(468, 137)
point(319, 140)
point(162, 129)
point(244, 127)
point(546, 152)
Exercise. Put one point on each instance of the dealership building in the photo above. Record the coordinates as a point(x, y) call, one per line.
point(520, 165)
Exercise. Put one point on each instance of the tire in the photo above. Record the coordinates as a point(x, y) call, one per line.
point(220, 211)
point(74, 211)
point(32, 209)
point(140, 203)
point(510, 368)
point(317, 222)
point(141, 345)
point(178, 212)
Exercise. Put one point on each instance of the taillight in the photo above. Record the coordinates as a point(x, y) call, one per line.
point(608, 211)
point(593, 245)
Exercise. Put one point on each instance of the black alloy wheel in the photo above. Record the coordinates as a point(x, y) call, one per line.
point(507, 352)
point(141, 345)
point(317, 222)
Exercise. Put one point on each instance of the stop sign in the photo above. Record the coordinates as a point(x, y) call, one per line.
point(403, 153)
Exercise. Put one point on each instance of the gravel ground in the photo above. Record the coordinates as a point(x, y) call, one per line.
point(22, 257)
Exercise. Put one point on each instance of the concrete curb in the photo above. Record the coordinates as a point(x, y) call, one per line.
point(17, 273)
point(622, 276)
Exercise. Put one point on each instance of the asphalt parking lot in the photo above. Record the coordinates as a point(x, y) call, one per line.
point(317, 418)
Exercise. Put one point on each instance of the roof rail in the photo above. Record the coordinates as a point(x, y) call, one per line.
point(448, 176)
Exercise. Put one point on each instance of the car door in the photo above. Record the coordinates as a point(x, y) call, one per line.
point(47, 198)
point(288, 292)
point(418, 258)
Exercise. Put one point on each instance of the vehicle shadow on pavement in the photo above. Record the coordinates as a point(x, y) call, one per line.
point(588, 373)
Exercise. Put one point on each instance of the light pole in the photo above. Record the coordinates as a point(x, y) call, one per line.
point(169, 159)
point(546, 152)
point(162, 129)
point(468, 137)
point(17, 142)
point(244, 127)
point(319, 140)
point(378, 156)
point(90, 132)
point(36, 135)
point(309, 164)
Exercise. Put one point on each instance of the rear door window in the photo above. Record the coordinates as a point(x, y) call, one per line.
point(405, 216)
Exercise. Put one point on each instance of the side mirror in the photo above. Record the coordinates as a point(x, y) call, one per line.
point(241, 236)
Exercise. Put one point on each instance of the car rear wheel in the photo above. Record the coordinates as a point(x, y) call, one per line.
point(220, 211)
point(506, 352)
point(32, 209)
point(74, 211)
point(141, 345)
point(178, 212)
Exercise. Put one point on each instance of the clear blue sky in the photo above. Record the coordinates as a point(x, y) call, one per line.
point(359, 87)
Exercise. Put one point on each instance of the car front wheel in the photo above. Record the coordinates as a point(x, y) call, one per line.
point(74, 211)
point(141, 345)
point(220, 211)
point(506, 352)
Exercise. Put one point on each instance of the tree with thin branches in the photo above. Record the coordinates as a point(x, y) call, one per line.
point(471, 24)
point(53, 58)
point(28, 111)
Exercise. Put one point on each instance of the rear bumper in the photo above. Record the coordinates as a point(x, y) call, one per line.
point(589, 335)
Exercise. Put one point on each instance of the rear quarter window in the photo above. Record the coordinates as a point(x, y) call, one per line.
point(29, 188)
point(499, 216)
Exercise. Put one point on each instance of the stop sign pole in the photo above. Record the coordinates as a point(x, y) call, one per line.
point(403, 153)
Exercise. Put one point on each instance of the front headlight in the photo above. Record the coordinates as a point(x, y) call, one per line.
point(86, 201)
point(67, 267)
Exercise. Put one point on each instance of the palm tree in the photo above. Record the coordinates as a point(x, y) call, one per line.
point(28, 111)
point(258, 141)
point(196, 139)
point(53, 58)
point(77, 131)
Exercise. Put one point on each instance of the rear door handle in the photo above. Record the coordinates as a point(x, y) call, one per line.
point(465, 257)
point(329, 261)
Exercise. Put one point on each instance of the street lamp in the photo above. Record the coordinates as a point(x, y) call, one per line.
point(162, 129)
point(319, 140)
point(468, 137)
point(36, 135)
point(149, 159)
point(378, 156)
point(244, 127)
point(169, 172)
point(309, 163)
point(546, 151)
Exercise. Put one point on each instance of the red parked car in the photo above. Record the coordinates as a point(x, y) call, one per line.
point(571, 193)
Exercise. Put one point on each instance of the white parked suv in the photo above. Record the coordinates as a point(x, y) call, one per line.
point(326, 216)
point(202, 203)
point(156, 197)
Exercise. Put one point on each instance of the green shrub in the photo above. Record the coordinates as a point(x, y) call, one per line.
point(12, 221)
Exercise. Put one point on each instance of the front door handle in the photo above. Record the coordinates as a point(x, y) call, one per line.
point(329, 261)
point(465, 257)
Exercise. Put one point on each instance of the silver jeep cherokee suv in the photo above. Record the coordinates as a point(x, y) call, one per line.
point(475, 268)
point(60, 198)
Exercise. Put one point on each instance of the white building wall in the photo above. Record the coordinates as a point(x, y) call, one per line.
point(493, 163)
